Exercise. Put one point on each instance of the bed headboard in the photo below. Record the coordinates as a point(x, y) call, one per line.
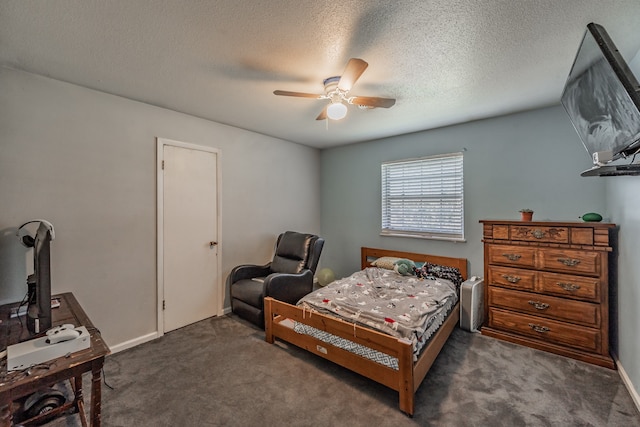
point(367, 255)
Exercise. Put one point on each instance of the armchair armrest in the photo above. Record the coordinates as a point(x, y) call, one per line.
point(288, 287)
point(249, 271)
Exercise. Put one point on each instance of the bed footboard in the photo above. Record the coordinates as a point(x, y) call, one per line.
point(277, 311)
point(405, 380)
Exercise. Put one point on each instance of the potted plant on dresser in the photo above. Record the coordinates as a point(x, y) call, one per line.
point(526, 214)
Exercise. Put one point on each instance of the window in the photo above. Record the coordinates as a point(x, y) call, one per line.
point(424, 197)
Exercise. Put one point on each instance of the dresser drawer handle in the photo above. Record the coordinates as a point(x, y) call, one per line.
point(538, 234)
point(511, 279)
point(539, 305)
point(538, 328)
point(568, 286)
point(570, 262)
point(512, 257)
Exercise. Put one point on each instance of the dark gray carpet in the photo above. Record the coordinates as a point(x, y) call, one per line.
point(221, 372)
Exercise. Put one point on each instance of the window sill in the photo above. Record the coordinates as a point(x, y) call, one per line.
point(422, 236)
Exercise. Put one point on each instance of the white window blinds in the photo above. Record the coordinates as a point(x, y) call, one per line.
point(424, 197)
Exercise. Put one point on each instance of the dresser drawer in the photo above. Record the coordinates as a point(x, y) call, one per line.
point(512, 255)
point(579, 262)
point(546, 330)
point(584, 236)
point(539, 234)
point(584, 313)
point(512, 277)
point(571, 286)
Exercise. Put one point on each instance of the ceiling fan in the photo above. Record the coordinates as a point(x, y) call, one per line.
point(337, 89)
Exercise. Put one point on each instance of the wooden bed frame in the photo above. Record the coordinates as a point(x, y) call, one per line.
point(408, 377)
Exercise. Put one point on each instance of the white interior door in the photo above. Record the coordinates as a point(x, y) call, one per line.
point(191, 284)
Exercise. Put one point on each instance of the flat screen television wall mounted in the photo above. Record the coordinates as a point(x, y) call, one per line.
point(602, 98)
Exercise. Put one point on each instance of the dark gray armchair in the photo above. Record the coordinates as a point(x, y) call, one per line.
point(288, 277)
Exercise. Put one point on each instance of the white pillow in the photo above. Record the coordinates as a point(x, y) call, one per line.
point(386, 262)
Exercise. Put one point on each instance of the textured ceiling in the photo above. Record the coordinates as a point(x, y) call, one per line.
point(445, 61)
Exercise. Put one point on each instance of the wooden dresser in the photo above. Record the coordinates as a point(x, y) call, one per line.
point(547, 286)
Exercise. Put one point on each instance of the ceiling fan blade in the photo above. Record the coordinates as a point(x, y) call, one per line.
point(352, 72)
point(322, 115)
point(370, 101)
point(299, 94)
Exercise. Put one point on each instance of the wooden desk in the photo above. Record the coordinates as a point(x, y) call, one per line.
point(18, 384)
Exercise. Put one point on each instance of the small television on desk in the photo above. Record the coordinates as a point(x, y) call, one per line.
point(38, 315)
point(602, 98)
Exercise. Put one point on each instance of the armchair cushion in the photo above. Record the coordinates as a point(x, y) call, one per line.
point(292, 253)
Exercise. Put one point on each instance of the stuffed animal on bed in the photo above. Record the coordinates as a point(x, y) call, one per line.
point(404, 267)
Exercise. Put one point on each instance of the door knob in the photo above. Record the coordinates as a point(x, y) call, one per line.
point(212, 244)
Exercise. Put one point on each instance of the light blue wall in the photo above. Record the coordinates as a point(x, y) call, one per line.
point(624, 206)
point(527, 160)
point(531, 159)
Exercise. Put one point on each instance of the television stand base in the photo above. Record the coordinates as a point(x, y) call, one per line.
point(22, 310)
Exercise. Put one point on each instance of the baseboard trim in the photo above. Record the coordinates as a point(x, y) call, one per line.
point(149, 337)
point(627, 382)
point(134, 342)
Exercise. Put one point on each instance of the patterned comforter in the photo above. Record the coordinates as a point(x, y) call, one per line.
point(406, 307)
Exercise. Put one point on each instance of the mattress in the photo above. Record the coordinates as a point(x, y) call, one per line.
point(406, 307)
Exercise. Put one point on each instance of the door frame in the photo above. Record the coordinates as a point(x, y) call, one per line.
point(161, 143)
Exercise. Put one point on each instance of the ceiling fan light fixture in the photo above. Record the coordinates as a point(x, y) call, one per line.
point(336, 91)
point(336, 111)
